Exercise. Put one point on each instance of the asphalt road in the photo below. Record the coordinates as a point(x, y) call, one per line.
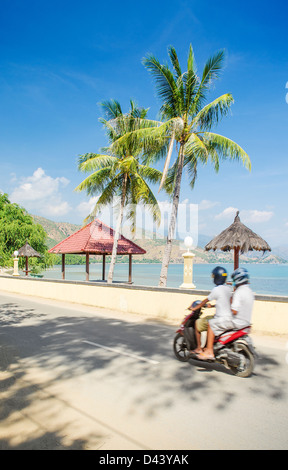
point(80, 378)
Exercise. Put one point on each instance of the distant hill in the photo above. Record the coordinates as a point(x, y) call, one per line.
point(281, 251)
point(58, 231)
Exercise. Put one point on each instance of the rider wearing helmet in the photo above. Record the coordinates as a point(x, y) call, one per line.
point(241, 312)
point(219, 276)
point(221, 293)
point(243, 299)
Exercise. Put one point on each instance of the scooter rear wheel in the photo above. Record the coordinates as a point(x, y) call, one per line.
point(180, 348)
point(248, 362)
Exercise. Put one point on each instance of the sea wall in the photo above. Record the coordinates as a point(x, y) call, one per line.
point(270, 313)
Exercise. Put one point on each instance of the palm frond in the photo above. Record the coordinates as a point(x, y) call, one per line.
point(191, 64)
point(213, 67)
point(95, 182)
point(149, 173)
point(210, 115)
point(191, 163)
point(144, 138)
point(165, 83)
point(146, 196)
point(93, 161)
point(106, 197)
point(174, 61)
point(211, 72)
point(227, 148)
point(170, 180)
point(195, 148)
point(111, 109)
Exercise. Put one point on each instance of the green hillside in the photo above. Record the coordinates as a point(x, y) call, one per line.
point(58, 231)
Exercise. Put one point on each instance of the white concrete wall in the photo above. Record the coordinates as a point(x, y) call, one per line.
point(270, 313)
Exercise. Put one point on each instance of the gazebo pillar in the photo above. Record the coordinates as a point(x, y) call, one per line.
point(130, 270)
point(63, 266)
point(87, 266)
point(103, 268)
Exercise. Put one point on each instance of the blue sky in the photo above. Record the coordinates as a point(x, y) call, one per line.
point(59, 59)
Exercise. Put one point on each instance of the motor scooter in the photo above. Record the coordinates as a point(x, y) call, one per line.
point(234, 348)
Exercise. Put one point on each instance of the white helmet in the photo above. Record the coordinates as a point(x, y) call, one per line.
point(240, 276)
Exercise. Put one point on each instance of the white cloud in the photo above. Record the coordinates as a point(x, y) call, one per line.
point(85, 207)
point(228, 213)
point(108, 214)
point(255, 216)
point(61, 208)
point(246, 216)
point(41, 194)
point(206, 204)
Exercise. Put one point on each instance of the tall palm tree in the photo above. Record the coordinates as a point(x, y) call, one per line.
point(120, 175)
point(186, 122)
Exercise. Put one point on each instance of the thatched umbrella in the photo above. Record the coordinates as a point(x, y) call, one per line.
point(28, 252)
point(238, 237)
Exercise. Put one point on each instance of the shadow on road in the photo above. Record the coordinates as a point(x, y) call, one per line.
point(56, 344)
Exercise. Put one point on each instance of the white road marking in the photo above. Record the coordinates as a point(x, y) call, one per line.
point(139, 358)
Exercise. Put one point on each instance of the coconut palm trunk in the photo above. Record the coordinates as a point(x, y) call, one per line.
point(119, 172)
point(189, 120)
point(173, 219)
point(117, 232)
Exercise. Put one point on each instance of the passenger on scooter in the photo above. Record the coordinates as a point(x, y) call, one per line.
point(241, 308)
point(222, 294)
point(243, 299)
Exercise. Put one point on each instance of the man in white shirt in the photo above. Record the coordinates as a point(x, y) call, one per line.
point(241, 312)
point(222, 320)
point(243, 299)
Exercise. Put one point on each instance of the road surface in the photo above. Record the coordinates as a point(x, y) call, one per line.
point(76, 377)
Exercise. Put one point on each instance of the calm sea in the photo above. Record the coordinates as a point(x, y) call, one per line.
point(265, 278)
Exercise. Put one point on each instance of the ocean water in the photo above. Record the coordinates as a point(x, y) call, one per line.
point(270, 279)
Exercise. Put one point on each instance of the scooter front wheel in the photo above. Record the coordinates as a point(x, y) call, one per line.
point(180, 348)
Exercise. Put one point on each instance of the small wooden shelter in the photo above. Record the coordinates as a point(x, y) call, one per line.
point(239, 238)
point(28, 252)
point(96, 238)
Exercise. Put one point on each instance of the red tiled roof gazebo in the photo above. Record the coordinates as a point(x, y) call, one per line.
point(96, 238)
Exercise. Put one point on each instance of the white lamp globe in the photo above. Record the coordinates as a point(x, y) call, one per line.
point(188, 242)
point(15, 254)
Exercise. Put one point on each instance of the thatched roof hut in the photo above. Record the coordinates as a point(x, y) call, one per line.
point(239, 238)
point(96, 238)
point(28, 252)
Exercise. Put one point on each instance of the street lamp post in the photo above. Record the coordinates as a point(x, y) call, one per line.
point(188, 265)
point(16, 259)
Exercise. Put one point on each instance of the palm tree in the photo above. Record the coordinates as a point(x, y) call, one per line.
point(120, 175)
point(186, 122)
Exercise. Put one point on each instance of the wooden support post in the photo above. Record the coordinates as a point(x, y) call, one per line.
point(87, 266)
point(103, 268)
point(63, 266)
point(236, 257)
point(130, 269)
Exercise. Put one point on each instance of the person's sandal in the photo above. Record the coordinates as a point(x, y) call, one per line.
point(205, 357)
